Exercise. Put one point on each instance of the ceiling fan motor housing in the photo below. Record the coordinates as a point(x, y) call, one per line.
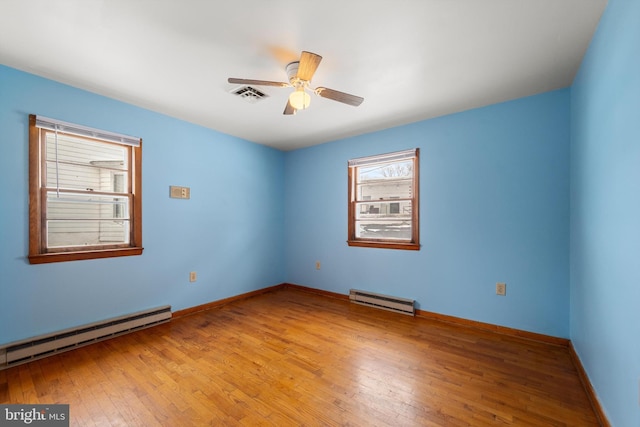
point(292, 72)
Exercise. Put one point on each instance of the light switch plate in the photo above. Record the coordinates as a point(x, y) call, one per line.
point(501, 289)
point(176, 192)
point(186, 193)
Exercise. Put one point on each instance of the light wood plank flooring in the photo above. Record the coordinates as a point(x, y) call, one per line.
point(289, 358)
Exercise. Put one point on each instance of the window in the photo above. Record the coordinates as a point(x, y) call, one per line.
point(84, 192)
point(383, 201)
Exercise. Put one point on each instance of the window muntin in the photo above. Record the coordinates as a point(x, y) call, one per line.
point(383, 201)
point(85, 193)
point(120, 205)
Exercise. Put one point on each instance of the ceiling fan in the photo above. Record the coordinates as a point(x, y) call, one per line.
point(300, 74)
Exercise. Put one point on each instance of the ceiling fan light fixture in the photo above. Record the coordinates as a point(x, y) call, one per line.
point(300, 100)
point(300, 74)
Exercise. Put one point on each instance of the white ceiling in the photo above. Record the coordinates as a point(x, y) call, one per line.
point(410, 59)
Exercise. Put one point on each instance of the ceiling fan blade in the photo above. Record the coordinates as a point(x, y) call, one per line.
point(289, 110)
point(308, 64)
point(257, 82)
point(345, 98)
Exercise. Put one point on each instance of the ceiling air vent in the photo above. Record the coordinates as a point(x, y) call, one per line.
point(249, 94)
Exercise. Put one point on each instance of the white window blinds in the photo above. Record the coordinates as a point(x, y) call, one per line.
point(383, 158)
point(74, 129)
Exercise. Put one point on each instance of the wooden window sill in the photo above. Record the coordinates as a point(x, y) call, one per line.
point(82, 255)
point(385, 245)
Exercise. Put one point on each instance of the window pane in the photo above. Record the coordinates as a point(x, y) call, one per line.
point(402, 169)
point(82, 164)
point(389, 210)
point(385, 181)
point(85, 206)
point(384, 220)
point(384, 229)
point(384, 189)
point(86, 233)
point(86, 219)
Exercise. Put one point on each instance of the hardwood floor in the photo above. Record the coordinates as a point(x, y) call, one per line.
point(295, 358)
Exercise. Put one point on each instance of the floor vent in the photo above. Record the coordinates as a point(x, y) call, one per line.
point(45, 345)
point(385, 302)
point(249, 94)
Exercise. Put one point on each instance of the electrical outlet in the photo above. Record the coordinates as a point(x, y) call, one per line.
point(501, 289)
point(317, 265)
point(193, 276)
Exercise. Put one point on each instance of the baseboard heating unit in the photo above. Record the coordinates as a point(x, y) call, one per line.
point(45, 345)
point(385, 302)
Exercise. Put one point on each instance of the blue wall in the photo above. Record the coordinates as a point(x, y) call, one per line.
point(494, 207)
point(230, 232)
point(605, 212)
point(540, 193)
